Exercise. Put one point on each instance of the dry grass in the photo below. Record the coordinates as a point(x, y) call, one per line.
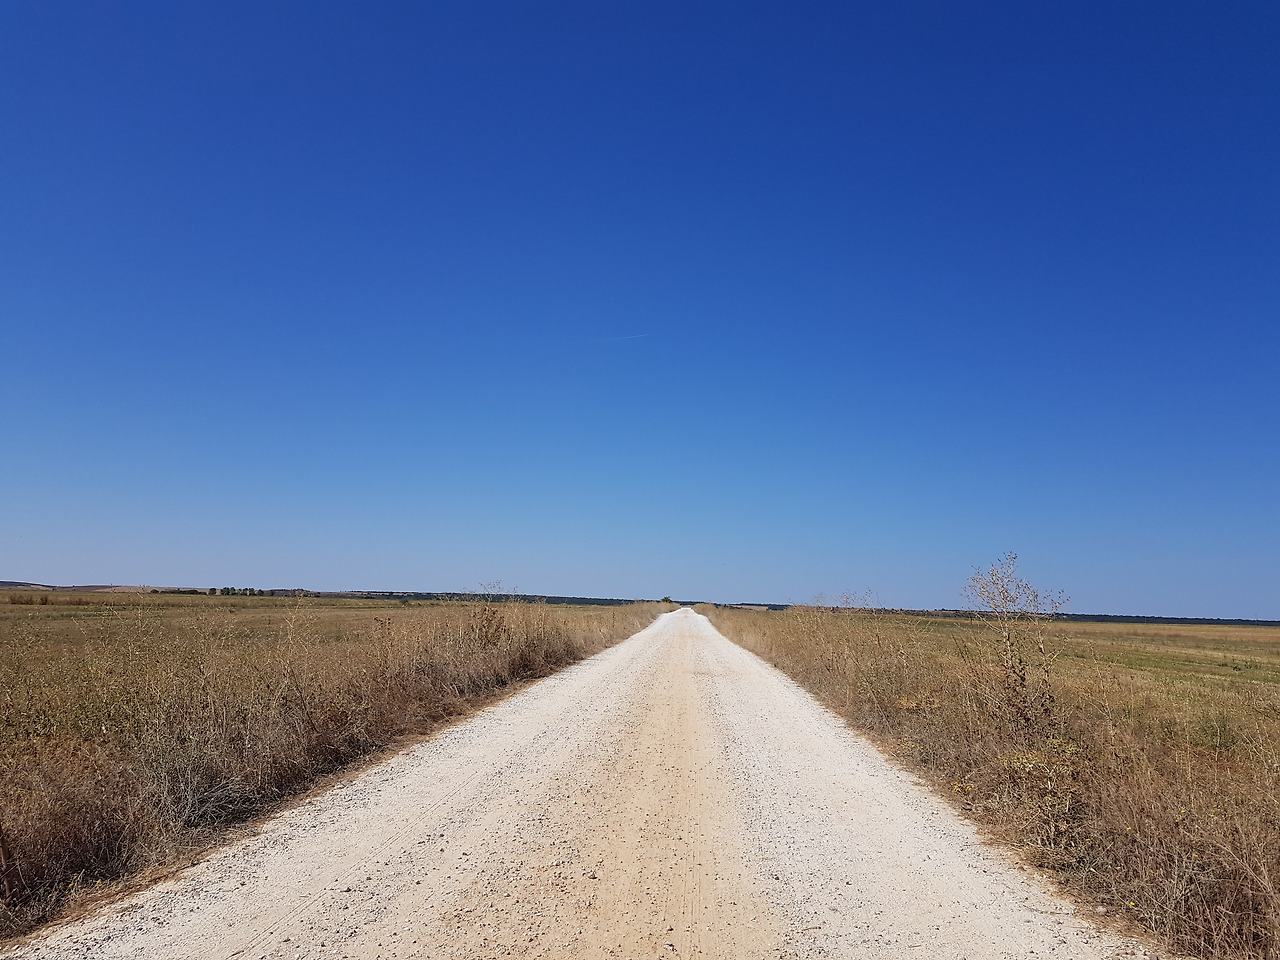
point(1151, 789)
point(131, 730)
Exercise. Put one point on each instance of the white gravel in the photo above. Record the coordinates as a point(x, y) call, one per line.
point(672, 796)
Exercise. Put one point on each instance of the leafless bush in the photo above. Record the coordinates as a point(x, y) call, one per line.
point(1015, 613)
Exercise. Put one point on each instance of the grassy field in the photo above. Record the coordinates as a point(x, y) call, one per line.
point(1147, 776)
point(134, 728)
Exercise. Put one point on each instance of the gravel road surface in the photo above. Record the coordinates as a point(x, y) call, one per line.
point(672, 797)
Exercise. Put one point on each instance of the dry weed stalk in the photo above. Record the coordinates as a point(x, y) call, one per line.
point(1014, 613)
point(10, 878)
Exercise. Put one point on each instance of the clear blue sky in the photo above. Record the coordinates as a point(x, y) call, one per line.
point(730, 302)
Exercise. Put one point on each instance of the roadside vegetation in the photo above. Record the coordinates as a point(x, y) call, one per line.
point(134, 729)
point(1138, 762)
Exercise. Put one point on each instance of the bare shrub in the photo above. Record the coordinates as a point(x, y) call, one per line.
point(1015, 613)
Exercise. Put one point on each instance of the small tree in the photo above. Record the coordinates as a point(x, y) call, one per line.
point(1015, 612)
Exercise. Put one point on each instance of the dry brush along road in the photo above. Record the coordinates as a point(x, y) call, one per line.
point(672, 797)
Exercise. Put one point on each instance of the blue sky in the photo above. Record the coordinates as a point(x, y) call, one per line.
point(729, 302)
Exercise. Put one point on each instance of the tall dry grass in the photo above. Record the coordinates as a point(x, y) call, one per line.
point(1149, 781)
point(130, 733)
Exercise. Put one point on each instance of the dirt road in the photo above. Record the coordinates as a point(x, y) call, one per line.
point(672, 797)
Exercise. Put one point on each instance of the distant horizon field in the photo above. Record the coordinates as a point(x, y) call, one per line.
point(10, 587)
